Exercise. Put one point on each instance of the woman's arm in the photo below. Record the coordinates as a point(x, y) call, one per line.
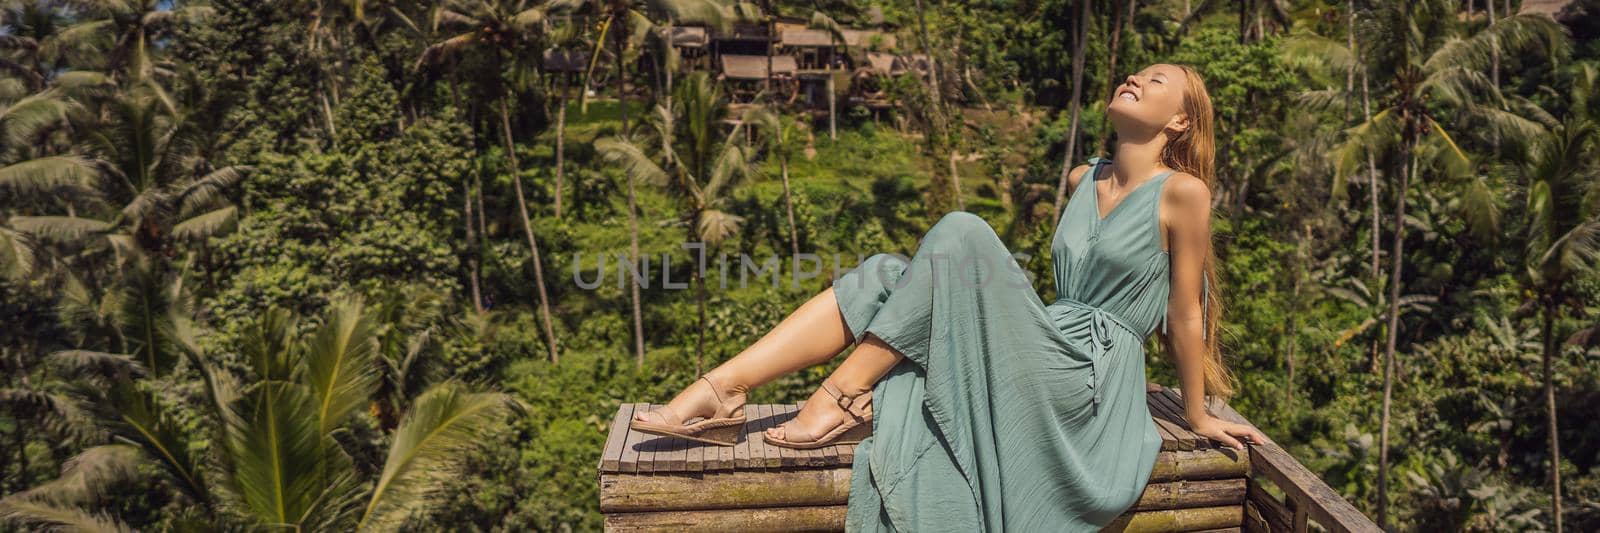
point(1188, 230)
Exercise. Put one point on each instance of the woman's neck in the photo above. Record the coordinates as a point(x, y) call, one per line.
point(1137, 158)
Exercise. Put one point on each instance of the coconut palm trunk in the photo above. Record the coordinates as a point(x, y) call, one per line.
point(1076, 105)
point(619, 41)
point(1550, 351)
point(561, 143)
point(1111, 63)
point(1406, 158)
point(788, 205)
point(527, 229)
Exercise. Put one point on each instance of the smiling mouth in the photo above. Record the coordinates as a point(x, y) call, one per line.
point(1128, 95)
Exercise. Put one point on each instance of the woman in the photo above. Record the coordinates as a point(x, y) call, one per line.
point(989, 410)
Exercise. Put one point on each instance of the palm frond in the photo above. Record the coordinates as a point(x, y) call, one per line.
point(1510, 36)
point(1326, 56)
point(1480, 206)
point(1374, 136)
point(23, 119)
point(206, 225)
point(278, 454)
point(55, 412)
point(634, 162)
point(17, 255)
point(105, 367)
point(136, 417)
point(58, 518)
point(716, 226)
point(731, 166)
point(443, 423)
point(46, 174)
point(60, 229)
point(89, 476)
point(339, 363)
point(208, 190)
point(1575, 251)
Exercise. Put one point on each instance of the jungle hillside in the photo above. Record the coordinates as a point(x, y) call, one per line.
point(360, 264)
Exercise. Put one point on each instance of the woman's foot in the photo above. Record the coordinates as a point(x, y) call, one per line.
point(824, 413)
point(708, 398)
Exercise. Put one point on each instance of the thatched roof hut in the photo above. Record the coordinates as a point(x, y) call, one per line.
point(867, 39)
point(752, 67)
point(806, 37)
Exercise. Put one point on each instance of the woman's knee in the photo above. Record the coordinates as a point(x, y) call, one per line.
point(961, 227)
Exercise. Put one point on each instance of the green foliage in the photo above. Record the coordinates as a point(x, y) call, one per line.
point(179, 183)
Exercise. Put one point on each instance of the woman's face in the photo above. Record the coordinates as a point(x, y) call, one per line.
point(1150, 100)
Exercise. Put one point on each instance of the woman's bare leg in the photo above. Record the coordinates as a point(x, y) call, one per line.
point(858, 373)
point(810, 335)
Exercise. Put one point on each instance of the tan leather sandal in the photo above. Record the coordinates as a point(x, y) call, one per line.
point(856, 426)
point(722, 428)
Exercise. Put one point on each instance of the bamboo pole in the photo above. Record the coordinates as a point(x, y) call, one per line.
point(831, 486)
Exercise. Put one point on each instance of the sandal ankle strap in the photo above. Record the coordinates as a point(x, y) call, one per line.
point(858, 406)
point(720, 403)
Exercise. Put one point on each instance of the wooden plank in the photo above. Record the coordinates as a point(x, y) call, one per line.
point(823, 518)
point(788, 456)
point(757, 459)
point(611, 454)
point(1178, 423)
point(1322, 504)
point(725, 456)
point(831, 486)
point(769, 454)
point(672, 453)
point(1297, 517)
point(831, 518)
point(751, 432)
point(1253, 521)
point(1169, 439)
point(629, 461)
point(1274, 516)
point(694, 459)
point(648, 446)
point(724, 490)
point(1174, 401)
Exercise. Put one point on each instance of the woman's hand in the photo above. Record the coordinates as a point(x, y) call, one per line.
point(1225, 431)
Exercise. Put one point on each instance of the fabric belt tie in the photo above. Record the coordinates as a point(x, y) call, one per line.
point(1100, 323)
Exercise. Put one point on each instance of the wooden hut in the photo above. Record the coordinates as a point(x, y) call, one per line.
point(746, 75)
point(650, 483)
point(812, 49)
point(693, 44)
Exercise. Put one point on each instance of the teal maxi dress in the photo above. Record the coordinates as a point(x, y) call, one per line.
point(1009, 414)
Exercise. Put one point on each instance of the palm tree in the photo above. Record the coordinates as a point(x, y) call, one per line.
point(698, 164)
point(616, 16)
point(1430, 69)
point(782, 139)
point(140, 188)
point(501, 29)
point(1563, 236)
point(119, 36)
point(275, 462)
point(1080, 37)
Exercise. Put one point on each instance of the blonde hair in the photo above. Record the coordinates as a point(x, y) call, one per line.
point(1194, 151)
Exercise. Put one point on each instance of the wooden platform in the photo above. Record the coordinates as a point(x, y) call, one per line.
point(650, 483)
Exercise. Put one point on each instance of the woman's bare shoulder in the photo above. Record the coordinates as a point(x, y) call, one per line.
point(1185, 190)
point(1075, 175)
